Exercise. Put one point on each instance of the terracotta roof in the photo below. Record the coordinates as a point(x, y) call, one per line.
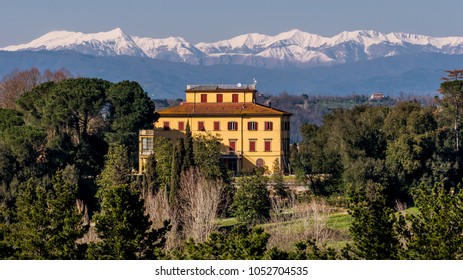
point(222, 109)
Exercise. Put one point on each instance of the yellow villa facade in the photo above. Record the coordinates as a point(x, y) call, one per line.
point(253, 135)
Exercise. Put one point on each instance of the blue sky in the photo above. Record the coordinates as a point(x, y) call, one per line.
point(211, 20)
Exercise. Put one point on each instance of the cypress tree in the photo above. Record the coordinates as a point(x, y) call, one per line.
point(178, 160)
point(189, 155)
point(150, 176)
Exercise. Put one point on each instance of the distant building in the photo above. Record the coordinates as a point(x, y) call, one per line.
point(376, 96)
point(253, 135)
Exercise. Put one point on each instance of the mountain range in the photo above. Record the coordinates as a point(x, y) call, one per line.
point(296, 61)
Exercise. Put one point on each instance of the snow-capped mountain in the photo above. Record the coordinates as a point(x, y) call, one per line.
point(111, 43)
point(174, 49)
point(287, 49)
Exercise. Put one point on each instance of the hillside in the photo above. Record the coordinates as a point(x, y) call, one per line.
point(417, 73)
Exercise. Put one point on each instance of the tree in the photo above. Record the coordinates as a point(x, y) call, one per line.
point(452, 90)
point(242, 243)
point(48, 222)
point(251, 203)
point(178, 160)
point(207, 153)
point(75, 106)
point(199, 200)
point(372, 226)
point(117, 167)
point(16, 83)
point(163, 152)
point(150, 176)
point(277, 180)
point(434, 232)
point(129, 108)
point(124, 229)
point(189, 151)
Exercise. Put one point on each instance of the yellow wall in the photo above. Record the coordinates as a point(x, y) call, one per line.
point(242, 136)
point(195, 97)
point(247, 159)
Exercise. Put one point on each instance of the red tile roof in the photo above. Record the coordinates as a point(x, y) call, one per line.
point(222, 109)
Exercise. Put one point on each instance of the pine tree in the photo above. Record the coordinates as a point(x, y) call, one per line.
point(372, 226)
point(435, 232)
point(48, 221)
point(124, 228)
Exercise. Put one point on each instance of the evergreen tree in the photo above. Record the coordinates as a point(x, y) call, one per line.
point(189, 154)
point(150, 177)
point(124, 229)
point(48, 222)
point(207, 153)
point(372, 226)
point(251, 203)
point(117, 167)
point(277, 180)
point(242, 243)
point(177, 164)
point(435, 232)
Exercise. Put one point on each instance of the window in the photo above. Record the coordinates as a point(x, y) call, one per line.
point(166, 126)
point(235, 98)
point(201, 126)
point(232, 145)
point(252, 125)
point(219, 98)
point(203, 98)
point(146, 145)
point(268, 145)
point(268, 125)
point(232, 125)
point(181, 125)
point(252, 145)
point(216, 126)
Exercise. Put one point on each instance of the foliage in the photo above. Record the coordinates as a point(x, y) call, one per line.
point(163, 152)
point(150, 176)
point(251, 203)
point(16, 83)
point(372, 226)
point(128, 109)
point(178, 159)
point(277, 180)
point(435, 232)
point(117, 167)
point(48, 222)
point(206, 149)
point(189, 151)
point(241, 243)
point(124, 229)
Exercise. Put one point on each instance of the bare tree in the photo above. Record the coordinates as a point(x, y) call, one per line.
point(194, 210)
point(14, 84)
point(198, 202)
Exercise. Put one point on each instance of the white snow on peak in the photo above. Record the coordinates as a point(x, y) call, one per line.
point(294, 47)
point(114, 42)
point(171, 48)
